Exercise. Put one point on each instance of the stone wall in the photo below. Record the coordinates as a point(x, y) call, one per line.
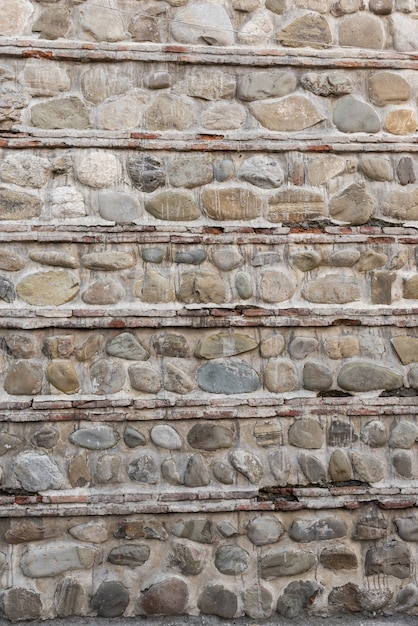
point(208, 308)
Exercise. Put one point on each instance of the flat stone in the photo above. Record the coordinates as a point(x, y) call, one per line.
point(231, 560)
point(405, 171)
point(265, 258)
point(126, 346)
point(375, 434)
point(21, 346)
point(55, 287)
point(225, 258)
point(262, 171)
point(111, 599)
point(210, 436)
point(339, 467)
point(402, 462)
point(338, 557)
point(203, 23)
point(365, 376)
point(165, 436)
point(280, 376)
point(61, 113)
point(63, 375)
point(176, 381)
point(393, 558)
point(322, 529)
point(351, 115)
point(130, 555)
point(276, 285)
point(142, 529)
point(125, 113)
point(295, 205)
point(24, 531)
point(55, 258)
point(144, 469)
point(7, 290)
point(54, 558)
point(258, 29)
point(17, 205)
point(66, 202)
point(327, 83)
point(345, 599)
point(369, 468)
point(216, 600)
point(47, 438)
point(231, 203)
point(223, 169)
point(103, 292)
point(98, 169)
point(317, 377)
point(257, 602)
point(223, 116)
point(381, 7)
point(401, 122)
point(170, 344)
point(95, 437)
point(119, 207)
point(401, 205)
point(177, 206)
point(361, 31)
point(301, 29)
point(377, 168)
point(407, 528)
point(279, 463)
point(133, 438)
point(313, 469)
point(69, 598)
point(20, 604)
point(223, 345)
point(99, 83)
point(190, 257)
point(228, 377)
point(341, 347)
point(155, 288)
point(146, 172)
point(388, 88)
point(223, 473)
point(190, 171)
point(306, 261)
point(153, 255)
point(197, 529)
point(403, 435)
point(12, 103)
point(406, 348)
point(10, 261)
point(14, 17)
point(23, 378)
point(272, 346)
point(404, 33)
point(306, 433)
point(25, 170)
point(264, 530)
point(201, 285)
point(190, 560)
point(291, 113)
point(266, 84)
point(324, 169)
point(107, 377)
point(167, 597)
point(107, 469)
point(332, 289)
point(107, 260)
point(196, 473)
point(353, 205)
point(301, 347)
point(372, 525)
point(169, 112)
point(267, 433)
point(247, 464)
point(53, 23)
point(92, 532)
point(208, 84)
point(79, 471)
point(244, 286)
point(285, 562)
point(297, 597)
point(144, 378)
point(89, 348)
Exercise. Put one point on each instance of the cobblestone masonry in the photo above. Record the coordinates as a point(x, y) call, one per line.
point(208, 308)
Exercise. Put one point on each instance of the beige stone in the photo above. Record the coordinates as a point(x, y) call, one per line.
point(302, 29)
point(98, 169)
point(361, 31)
point(353, 205)
point(122, 114)
point(371, 260)
point(63, 376)
point(17, 205)
point(108, 260)
point(224, 344)
point(223, 116)
point(410, 288)
point(14, 15)
point(89, 348)
point(231, 203)
point(66, 202)
point(170, 112)
point(208, 84)
point(45, 79)
point(272, 346)
point(257, 30)
point(280, 376)
point(11, 261)
point(176, 206)
point(388, 88)
point(61, 113)
point(103, 292)
point(276, 286)
point(101, 82)
point(401, 205)
point(401, 122)
point(332, 289)
point(55, 258)
point(295, 205)
point(55, 287)
point(341, 347)
point(155, 288)
point(324, 168)
point(291, 113)
point(23, 378)
point(103, 22)
point(203, 285)
point(406, 348)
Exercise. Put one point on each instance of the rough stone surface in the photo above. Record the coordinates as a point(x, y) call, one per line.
point(210, 436)
point(117, 206)
point(265, 84)
point(61, 113)
point(264, 530)
point(56, 558)
point(110, 599)
point(167, 597)
point(308, 29)
point(291, 113)
point(286, 563)
point(216, 600)
point(351, 115)
point(23, 378)
point(296, 597)
point(247, 464)
point(231, 560)
point(231, 203)
point(177, 206)
point(364, 376)
point(227, 377)
point(107, 376)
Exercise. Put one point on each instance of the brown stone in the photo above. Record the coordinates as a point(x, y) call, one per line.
point(332, 289)
point(295, 205)
point(61, 113)
point(388, 88)
point(23, 378)
point(78, 472)
point(177, 206)
point(231, 203)
point(63, 376)
point(168, 597)
point(52, 23)
point(223, 345)
point(103, 292)
point(201, 286)
point(17, 205)
point(401, 121)
point(291, 113)
point(406, 348)
point(308, 29)
point(338, 557)
point(169, 112)
point(48, 288)
point(280, 376)
point(24, 531)
point(381, 287)
point(361, 31)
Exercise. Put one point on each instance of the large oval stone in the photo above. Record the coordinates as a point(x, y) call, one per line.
point(354, 116)
point(61, 113)
point(17, 205)
point(95, 438)
point(231, 560)
point(52, 559)
point(144, 378)
point(23, 378)
point(353, 205)
point(231, 203)
point(103, 292)
point(280, 376)
point(107, 376)
point(127, 346)
point(63, 375)
point(223, 345)
point(286, 562)
point(48, 288)
point(227, 377)
point(208, 436)
point(37, 472)
point(286, 114)
point(130, 555)
point(175, 206)
point(366, 376)
point(118, 206)
point(332, 289)
point(167, 597)
point(295, 205)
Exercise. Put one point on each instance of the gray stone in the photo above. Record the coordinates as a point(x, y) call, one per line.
point(107, 261)
point(53, 23)
point(208, 84)
point(190, 171)
point(142, 529)
point(265, 258)
point(188, 559)
point(368, 468)
point(338, 557)
point(192, 257)
point(47, 438)
point(370, 260)
point(45, 79)
point(169, 112)
point(55, 558)
point(228, 377)
point(203, 23)
point(61, 113)
point(413, 377)
point(95, 437)
point(262, 171)
point(244, 286)
point(153, 255)
point(372, 525)
point(177, 206)
point(118, 206)
point(264, 530)
point(69, 598)
point(372, 600)
point(127, 346)
point(361, 31)
point(403, 435)
point(327, 83)
point(196, 473)
point(107, 376)
point(285, 562)
point(279, 463)
point(317, 377)
point(111, 599)
point(216, 600)
point(165, 436)
point(402, 462)
point(131, 555)
point(272, 346)
point(291, 113)
point(107, 469)
point(247, 464)
point(266, 84)
point(313, 469)
point(297, 597)
point(306, 433)
point(377, 168)
point(231, 203)
point(167, 597)
point(381, 7)
point(199, 530)
point(407, 528)
point(407, 597)
point(63, 376)
point(92, 532)
point(306, 261)
point(345, 599)
point(404, 33)
point(276, 285)
point(23, 378)
point(133, 438)
point(227, 530)
point(19, 604)
point(176, 381)
point(322, 529)
point(392, 558)
point(404, 170)
point(295, 205)
point(223, 169)
point(339, 467)
point(257, 602)
point(144, 469)
point(56, 258)
point(224, 344)
point(351, 115)
point(367, 376)
point(25, 170)
point(11, 261)
point(170, 344)
point(103, 292)
point(353, 205)
point(24, 531)
point(375, 434)
point(210, 436)
point(146, 172)
point(280, 376)
point(301, 29)
point(301, 347)
point(223, 473)
point(231, 560)
point(17, 205)
point(7, 290)
point(37, 472)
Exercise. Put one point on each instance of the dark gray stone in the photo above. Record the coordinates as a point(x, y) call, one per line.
point(264, 529)
point(407, 597)
point(19, 604)
point(127, 346)
point(210, 436)
point(227, 530)
point(196, 474)
point(95, 437)
point(403, 435)
point(170, 344)
point(223, 169)
point(165, 436)
point(216, 600)
point(44, 438)
point(314, 470)
point(131, 555)
point(305, 531)
point(111, 599)
point(228, 377)
point(354, 116)
point(231, 560)
point(192, 257)
point(257, 602)
point(199, 530)
point(372, 525)
point(286, 562)
point(141, 529)
point(144, 469)
point(7, 290)
point(341, 434)
point(345, 599)
point(37, 472)
point(365, 376)
point(146, 172)
point(402, 462)
point(338, 557)
point(133, 438)
point(405, 171)
point(167, 597)
point(223, 473)
point(375, 434)
point(69, 598)
point(296, 598)
point(391, 559)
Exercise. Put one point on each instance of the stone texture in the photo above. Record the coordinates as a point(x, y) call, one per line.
point(256, 30)
point(216, 600)
point(111, 599)
point(144, 469)
point(63, 375)
point(98, 169)
point(118, 206)
point(210, 436)
point(25, 170)
point(23, 378)
point(196, 529)
point(279, 463)
point(92, 532)
point(284, 563)
point(369, 468)
point(247, 464)
point(351, 115)
point(291, 113)
point(231, 560)
point(203, 23)
point(53, 23)
point(406, 348)
point(155, 288)
point(54, 558)
point(177, 206)
point(231, 203)
point(402, 462)
point(78, 471)
point(223, 116)
point(203, 285)
point(353, 205)
point(338, 557)
point(177, 381)
point(170, 344)
point(169, 112)
point(366, 376)
point(388, 88)
point(95, 437)
point(107, 469)
point(55, 287)
point(19, 604)
point(272, 346)
point(257, 602)
point(392, 558)
point(126, 346)
point(305, 531)
point(377, 168)
point(144, 378)
point(98, 84)
point(11, 261)
point(69, 598)
point(306, 433)
point(403, 435)
point(401, 122)
point(276, 285)
point(339, 467)
point(165, 436)
point(297, 597)
point(332, 289)
point(66, 202)
point(266, 84)
point(404, 33)
point(223, 345)
point(146, 172)
point(17, 205)
point(264, 530)
point(361, 31)
point(295, 205)
point(167, 597)
point(374, 434)
point(262, 171)
point(327, 83)
point(23, 532)
point(190, 171)
point(107, 376)
point(228, 377)
point(209, 84)
point(189, 560)
point(313, 468)
point(103, 292)
point(61, 113)
point(317, 377)
point(280, 376)
point(14, 16)
point(305, 29)
point(130, 555)
point(405, 171)
point(306, 261)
